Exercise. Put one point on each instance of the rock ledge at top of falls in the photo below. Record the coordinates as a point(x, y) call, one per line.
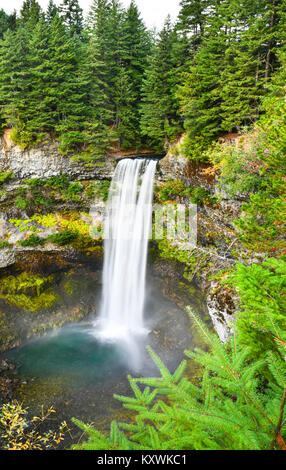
point(45, 161)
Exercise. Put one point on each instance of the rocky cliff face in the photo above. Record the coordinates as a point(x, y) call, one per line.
point(216, 238)
point(45, 161)
point(215, 230)
point(179, 167)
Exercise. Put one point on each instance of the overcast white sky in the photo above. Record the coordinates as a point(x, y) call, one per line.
point(153, 12)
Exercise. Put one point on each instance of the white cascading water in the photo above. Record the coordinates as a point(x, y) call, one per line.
point(127, 230)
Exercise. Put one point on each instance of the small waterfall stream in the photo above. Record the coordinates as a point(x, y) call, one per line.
point(127, 230)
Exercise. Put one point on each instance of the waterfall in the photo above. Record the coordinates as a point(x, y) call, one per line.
point(127, 230)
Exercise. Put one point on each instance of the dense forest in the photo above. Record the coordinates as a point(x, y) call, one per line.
point(105, 82)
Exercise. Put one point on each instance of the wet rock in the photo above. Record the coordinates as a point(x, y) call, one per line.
point(179, 167)
point(5, 365)
point(7, 257)
point(45, 161)
point(222, 306)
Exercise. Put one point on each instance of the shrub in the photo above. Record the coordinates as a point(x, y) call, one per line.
point(174, 189)
point(4, 244)
point(5, 176)
point(98, 189)
point(32, 240)
point(194, 148)
point(64, 237)
point(171, 190)
point(200, 196)
point(262, 292)
point(17, 434)
point(73, 191)
point(25, 138)
point(21, 203)
point(57, 182)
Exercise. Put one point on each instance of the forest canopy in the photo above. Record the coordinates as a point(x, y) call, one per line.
point(106, 81)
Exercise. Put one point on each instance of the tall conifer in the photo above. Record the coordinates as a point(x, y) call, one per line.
point(160, 120)
point(72, 15)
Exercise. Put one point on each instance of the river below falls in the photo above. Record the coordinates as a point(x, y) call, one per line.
point(72, 369)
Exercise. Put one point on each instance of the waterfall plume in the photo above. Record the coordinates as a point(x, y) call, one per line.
point(127, 231)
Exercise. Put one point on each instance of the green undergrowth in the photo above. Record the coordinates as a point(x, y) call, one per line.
point(176, 190)
point(232, 407)
point(28, 291)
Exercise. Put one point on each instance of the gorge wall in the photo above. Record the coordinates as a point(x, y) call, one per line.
point(216, 233)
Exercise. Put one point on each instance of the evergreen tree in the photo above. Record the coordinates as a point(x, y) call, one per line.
point(97, 128)
point(3, 22)
point(261, 289)
point(13, 87)
point(113, 25)
point(97, 74)
point(6, 22)
point(52, 11)
point(278, 82)
point(40, 113)
point(127, 122)
point(160, 120)
point(42, 88)
point(227, 410)
point(116, 61)
point(200, 94)
point(72, 15)
point(251, 57)
point(30, 13)
point(226, 83)
point(68, 87)
point(135, 48)
point(192, 20)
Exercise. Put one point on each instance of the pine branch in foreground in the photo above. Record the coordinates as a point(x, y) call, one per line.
point(229, 409)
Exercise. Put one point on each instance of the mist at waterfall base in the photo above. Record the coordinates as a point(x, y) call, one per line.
point(79, 367)
point(78, 356)
point(78, 373)
point(127, 230)
point(129, 312)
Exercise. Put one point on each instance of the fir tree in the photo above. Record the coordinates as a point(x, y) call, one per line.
point(136, 44)
point(160, 120)
point(52, 11)
point(226, 411)
point(7, 22)
point(116, 62)
point(97, 127)
point(72, 15)
point(200, 94)
point(226, 83)
point(68, 87)
point(250, 59)
point(97, 73)
point(30, 13)
point(126, 116)
point(133, 58)
point(40, 112)
point(192, 20)
point(277, 87)
point(13, 86)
